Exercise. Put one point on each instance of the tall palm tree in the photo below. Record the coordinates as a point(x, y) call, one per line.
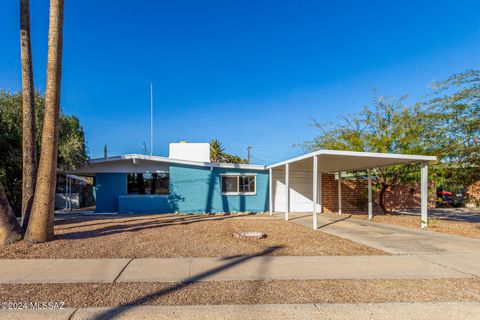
point(10, 230)
point(28, 144)
point(40, 226)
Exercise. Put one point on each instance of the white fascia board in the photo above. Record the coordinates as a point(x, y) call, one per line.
point(379, 155)
point(178, 161)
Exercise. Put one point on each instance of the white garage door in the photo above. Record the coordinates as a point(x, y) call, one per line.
point(300, 191)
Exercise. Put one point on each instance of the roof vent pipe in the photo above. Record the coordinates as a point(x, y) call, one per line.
point(105, 152)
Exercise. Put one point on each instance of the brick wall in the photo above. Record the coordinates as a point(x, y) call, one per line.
point(354, 196)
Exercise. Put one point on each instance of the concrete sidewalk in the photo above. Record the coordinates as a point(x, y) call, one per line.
point(238, 268)
point(380, 311)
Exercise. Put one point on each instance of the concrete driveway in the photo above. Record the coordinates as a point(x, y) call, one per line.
point(390, 238)
point(456, 253)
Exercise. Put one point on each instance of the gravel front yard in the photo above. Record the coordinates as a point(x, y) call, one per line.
point(461, 228)
point(141, 236)
point(247, 292)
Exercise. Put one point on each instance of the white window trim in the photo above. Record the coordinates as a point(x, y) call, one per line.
point(254, 175)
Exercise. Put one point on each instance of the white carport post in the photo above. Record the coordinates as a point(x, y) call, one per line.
point(424, 195)
point(315, 191)
point(370, 203)
point(287, 192)
point(66, 193)
point(339, 192)
point(270, 190)
point(320, 201)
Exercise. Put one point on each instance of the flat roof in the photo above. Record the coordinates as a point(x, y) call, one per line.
point(90, 166)
point(335, 160)
point(328, 161)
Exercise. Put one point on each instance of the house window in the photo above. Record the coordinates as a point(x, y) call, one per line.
point(238, 184)
point(148, 183)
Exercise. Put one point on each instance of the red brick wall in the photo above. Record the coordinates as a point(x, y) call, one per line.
point(354, 196)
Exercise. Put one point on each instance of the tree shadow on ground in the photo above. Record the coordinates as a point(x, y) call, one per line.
point(144, 224)
point(119, 310)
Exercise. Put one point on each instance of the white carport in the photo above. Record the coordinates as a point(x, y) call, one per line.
point(296, 184)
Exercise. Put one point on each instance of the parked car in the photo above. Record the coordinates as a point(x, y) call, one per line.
point(453, 198)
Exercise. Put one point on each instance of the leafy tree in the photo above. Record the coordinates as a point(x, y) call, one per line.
point(218, 154)
point(388, 127)
point(230, 158)
point(72, 150)
point(216, 151)
point(454, 128)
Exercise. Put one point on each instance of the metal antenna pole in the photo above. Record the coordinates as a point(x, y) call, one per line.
point(248, 149)
point(151, 119)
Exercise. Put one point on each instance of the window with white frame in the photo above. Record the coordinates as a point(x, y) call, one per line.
point(238, 184)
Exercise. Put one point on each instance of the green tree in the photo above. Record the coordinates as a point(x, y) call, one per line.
point(454, 128)
point(72, 150)
point(389, 126)
point(216, 151)
point(218, 154)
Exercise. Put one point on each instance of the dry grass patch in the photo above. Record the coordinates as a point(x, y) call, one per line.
point(144, 236)
point(461, 228)
point(247, 292)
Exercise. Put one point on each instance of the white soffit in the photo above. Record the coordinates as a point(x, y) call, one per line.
point(139, 162)
point(333, 160)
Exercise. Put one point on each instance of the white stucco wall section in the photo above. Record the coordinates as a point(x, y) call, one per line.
point(190, 151)
point(301, 192)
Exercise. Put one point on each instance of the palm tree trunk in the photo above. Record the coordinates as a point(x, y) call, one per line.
point(40, 227)
point(10, 230)
point(28, 144)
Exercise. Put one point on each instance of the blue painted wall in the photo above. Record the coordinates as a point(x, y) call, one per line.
point(197, 189)
point(145, 204)
point(192, 190)
point(109, 186)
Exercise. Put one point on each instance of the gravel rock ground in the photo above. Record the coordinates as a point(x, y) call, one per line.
point(247, 292)
point(460, 228)
point(156, 236)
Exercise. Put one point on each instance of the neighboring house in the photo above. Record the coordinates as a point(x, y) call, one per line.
point(187, 182)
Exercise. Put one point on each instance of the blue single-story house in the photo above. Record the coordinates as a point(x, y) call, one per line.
point(187, 182)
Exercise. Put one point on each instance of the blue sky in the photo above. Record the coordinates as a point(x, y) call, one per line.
point(244, 72)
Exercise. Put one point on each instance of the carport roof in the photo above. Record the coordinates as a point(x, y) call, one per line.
point(335, 160)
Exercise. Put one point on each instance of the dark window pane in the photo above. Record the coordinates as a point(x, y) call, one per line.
point(162, 184)
point(132, 184)
point(229, 184)
point(148, 183)
point(141, 183)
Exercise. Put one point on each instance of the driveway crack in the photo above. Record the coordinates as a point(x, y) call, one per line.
point(448, 267)
point(123, 269)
